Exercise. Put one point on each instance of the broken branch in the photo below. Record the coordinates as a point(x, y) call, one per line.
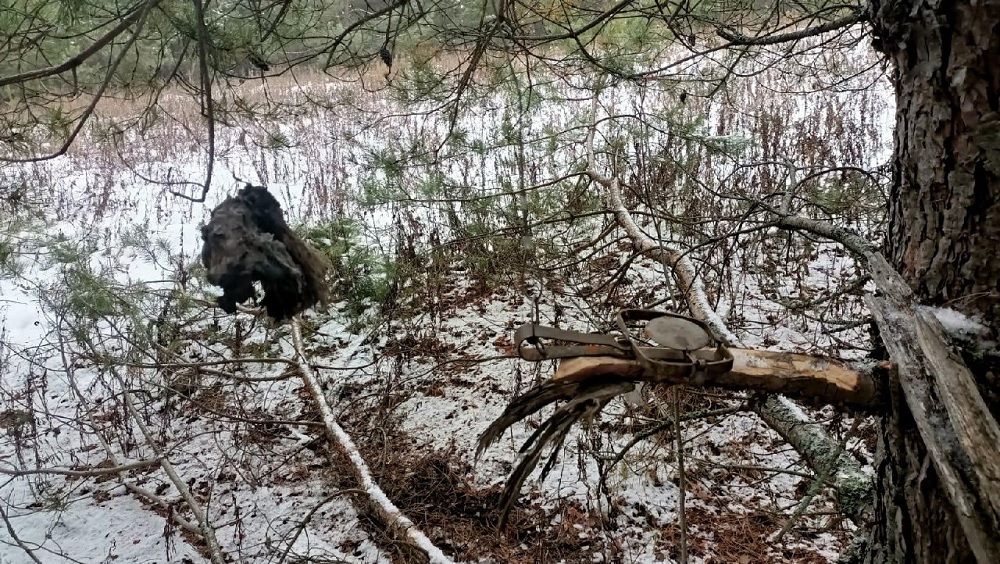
point(385, 508)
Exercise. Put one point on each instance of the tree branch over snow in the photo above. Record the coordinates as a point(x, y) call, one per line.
point(17, 539)
point(387, 510)
point(204, 526)
point(809, 439)
point(682, 267)
point(787, 219)
point(859, 15)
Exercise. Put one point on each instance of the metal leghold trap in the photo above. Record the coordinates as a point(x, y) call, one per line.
point(670, 347)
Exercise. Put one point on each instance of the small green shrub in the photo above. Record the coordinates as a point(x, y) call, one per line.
point(365, 278)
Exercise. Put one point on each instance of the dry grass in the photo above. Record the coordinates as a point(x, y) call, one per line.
point(434, 490)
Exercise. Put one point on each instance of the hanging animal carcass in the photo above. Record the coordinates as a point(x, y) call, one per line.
point(246, 241)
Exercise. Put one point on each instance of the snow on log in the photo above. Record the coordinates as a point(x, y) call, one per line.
point(391, 515)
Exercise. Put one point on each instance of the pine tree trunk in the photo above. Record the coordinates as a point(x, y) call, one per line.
point(944, 232)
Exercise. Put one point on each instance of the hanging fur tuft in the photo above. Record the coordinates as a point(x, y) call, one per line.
point(247, 240)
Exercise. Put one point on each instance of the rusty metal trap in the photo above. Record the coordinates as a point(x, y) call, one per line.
point(669, 347)
point(656, 346)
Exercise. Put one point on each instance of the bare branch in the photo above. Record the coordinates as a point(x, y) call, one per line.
point(386, 509)
point(17, 540)
point(860, 14)
point(204, 526)
point(87, 473)
point(809, 439)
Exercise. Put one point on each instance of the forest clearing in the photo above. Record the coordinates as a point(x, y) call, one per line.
point(460, 172)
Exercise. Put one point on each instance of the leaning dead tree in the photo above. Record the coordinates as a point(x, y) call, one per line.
point(247, 241)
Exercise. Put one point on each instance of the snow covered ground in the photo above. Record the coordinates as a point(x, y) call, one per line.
point(111, 355)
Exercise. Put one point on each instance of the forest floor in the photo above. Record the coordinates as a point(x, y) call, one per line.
point(111, 353)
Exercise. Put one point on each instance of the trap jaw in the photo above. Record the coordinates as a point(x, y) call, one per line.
point(682, 352)
point(684, 346)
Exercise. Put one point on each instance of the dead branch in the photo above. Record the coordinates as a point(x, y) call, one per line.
point(387, 510)
point(308, 517)
point(599, 381)
point(14, 536)
point(158, 501)
point(802, 376)
point(83, 473)
point(204, 526)
point(584, 400)
point(137, 490)
point(671, 423)
point(588, 383)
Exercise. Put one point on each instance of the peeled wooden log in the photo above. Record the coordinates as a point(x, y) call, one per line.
point(246, 241)
point(795, 375)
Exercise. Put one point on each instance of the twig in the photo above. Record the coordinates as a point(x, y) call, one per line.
point(17, 540)
point(753, 468)
point(305, 520)
point(159, 501)
point(88, 473)
point(643, 435)
point(680, 264)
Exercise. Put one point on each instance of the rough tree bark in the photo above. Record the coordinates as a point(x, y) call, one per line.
point(943, 235)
